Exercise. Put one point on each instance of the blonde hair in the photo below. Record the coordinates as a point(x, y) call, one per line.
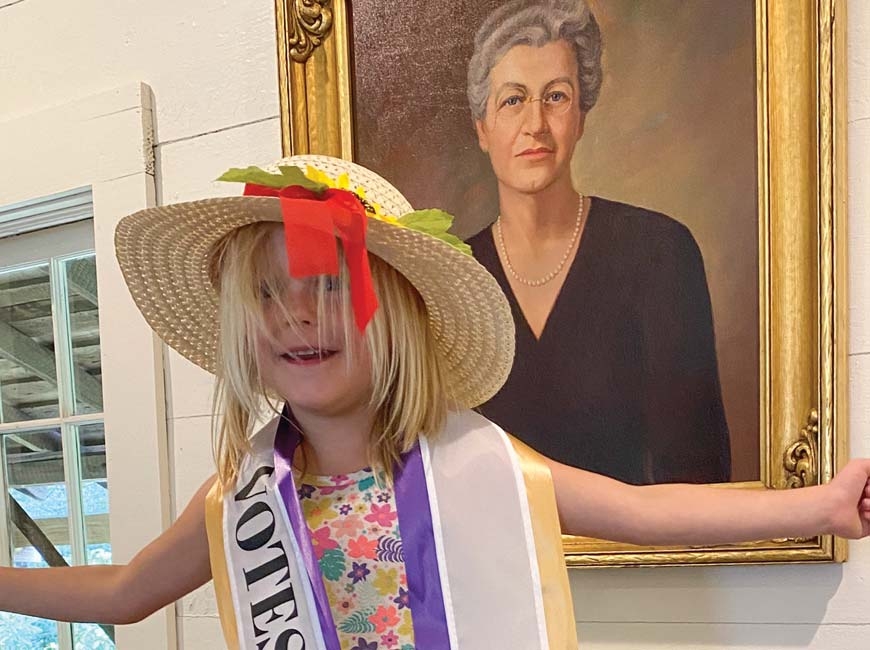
point(409, 395)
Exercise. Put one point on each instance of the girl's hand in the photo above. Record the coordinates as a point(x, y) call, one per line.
point(849, 494)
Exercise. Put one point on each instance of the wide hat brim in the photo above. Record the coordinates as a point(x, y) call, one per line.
point(164, 254)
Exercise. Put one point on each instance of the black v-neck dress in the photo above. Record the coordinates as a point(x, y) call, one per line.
point(624, 379)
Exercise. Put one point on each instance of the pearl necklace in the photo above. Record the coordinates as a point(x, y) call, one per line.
point(552, 274)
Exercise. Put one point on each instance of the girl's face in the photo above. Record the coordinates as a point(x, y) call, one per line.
point(533, 119)
point(314, 366)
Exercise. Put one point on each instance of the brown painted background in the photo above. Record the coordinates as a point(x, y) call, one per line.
point(674, 130)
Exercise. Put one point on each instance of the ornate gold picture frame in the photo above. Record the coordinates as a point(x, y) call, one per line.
point(799, 50)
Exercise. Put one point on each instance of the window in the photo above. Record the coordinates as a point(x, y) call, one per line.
point(52, 439)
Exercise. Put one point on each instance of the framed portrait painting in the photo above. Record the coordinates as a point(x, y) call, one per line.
point(692, 326)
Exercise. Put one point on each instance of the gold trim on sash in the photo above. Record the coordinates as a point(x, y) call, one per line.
point(214, 523)
point(556, 591)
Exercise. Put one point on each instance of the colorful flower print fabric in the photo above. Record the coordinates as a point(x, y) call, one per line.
point(355, 532)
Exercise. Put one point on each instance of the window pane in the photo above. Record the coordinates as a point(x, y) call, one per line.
point(95, 493)
point(90, 636)
point(37, 525)
point(28, 374)
point(84, 332)
point(95, 509)
point(27, 633)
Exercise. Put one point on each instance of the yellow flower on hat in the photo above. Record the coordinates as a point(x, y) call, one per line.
point(343, 183)
point(387, 218)
point(314, 174)
point(376, 210)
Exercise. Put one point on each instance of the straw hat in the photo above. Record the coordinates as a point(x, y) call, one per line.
point(164, 256)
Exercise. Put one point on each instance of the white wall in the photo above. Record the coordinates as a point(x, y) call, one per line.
point(212, 69)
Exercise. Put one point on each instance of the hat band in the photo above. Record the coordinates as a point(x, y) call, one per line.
point(312, 221)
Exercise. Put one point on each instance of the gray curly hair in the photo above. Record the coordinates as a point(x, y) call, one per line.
point(536, 23)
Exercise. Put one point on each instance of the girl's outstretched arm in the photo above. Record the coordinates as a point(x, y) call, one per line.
point(171, 566)
point(676, 514)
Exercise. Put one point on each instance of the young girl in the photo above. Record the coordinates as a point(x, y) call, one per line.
point(375, 510)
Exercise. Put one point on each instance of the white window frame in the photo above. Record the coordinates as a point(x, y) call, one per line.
point(105, 142)
point(22, 245)
point(46, 211)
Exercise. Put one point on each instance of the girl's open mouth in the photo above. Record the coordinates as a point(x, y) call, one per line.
point(308, 355)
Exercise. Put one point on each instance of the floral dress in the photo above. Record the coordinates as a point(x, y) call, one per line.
point(355, 532)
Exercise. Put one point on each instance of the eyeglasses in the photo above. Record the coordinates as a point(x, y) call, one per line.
point(554, 102)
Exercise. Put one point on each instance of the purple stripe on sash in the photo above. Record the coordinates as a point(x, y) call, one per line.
point(421, 562)
point(286, 440)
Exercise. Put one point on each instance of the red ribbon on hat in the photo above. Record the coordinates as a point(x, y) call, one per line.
point(311, 223)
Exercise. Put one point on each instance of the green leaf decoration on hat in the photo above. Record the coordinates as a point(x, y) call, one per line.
point(437, 224)
point(289, 175)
